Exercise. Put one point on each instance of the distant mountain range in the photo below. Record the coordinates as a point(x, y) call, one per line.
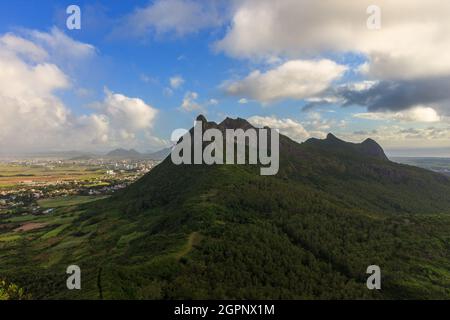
point(159, 155)
point(113, 154)
point(123, 153)
point(226, 232)
point(133, 154)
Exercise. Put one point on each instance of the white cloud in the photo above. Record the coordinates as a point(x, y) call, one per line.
point(213, 102)
point(176, 82)
point(288, 127)
point(416, 114)
point(411, 43)
point(129, 114)
point(359, 86)
point(395, 136)
point(22, 80)
point(243, 101)
point(295, 79)
point(35, 118)
point(390, 136)
point(190, 102)
point(16, 45)
point(173, 16)
point(61, 46)
point(319, 126)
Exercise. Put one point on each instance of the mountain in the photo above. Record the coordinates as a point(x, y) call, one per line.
point(159, 155)
point(133, 154)
point(123, 153)
point(84, 157)
point(367, 148)
point(226, 232)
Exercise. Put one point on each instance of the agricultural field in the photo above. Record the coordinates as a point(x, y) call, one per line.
point(17, 174)
point(32, 185)
point(60, 202)
point(36, 240)
point(43, 226)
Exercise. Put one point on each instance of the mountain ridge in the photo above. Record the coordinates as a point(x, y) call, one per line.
point(226, 232)
point(120, 152)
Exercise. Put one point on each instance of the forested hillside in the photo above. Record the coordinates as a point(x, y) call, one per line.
point(224, 231)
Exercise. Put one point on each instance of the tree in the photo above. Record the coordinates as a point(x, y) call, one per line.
point(10, 291)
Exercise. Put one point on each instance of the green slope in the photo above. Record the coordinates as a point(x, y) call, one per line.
point(195, 231)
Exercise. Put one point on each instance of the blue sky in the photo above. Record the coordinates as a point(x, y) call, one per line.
point(165, 61)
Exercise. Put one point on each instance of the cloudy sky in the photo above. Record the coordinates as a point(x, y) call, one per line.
point(137, 70)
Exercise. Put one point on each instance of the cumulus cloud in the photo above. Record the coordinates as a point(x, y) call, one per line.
point(27, 86)
point(416, 114)
point(180, 17)
point(406, 61)
point(288, 127)
point(405, 100)
point(325, 99)
point(19, 79)
point(390, 136)
point(399, 95)
point(295, 79)
point(15, 45)
point(128, 114)
point(393, 96)
point(190, 102)
point(336, 94)
point(429, 133)
point(61, 46)
point(411, 43)
point(395, 136)
point(35, 118)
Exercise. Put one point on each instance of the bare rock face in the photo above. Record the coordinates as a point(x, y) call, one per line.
point(372, 148)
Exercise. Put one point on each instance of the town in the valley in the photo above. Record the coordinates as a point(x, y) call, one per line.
point(29, 186)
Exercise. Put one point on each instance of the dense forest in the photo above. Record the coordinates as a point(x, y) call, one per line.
point(225, 232)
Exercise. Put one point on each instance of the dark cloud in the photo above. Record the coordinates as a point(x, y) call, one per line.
point(398, 95)
point(390, 95)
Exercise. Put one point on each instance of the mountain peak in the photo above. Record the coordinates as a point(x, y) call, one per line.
point(201, 118)
point(123, 153)
point(367, 148)
point(237, 123)
point(332, 137)
point(372, 148)
point(369, 141)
